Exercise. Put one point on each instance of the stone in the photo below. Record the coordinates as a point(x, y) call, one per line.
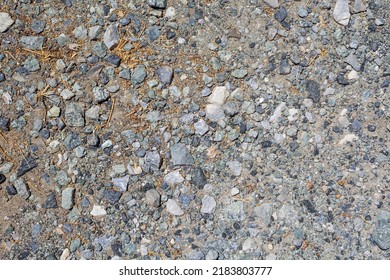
point(98, 211)
point(195, 255)
point(153, 161)
point(201, 128)
point(112, 196)
point(94, 32)
point(67, 94)
point(34, 43)
point(80, 33)
point(120, 183)
point(26, 165)
point(51, 201)
point(74, 115)
point(22, 188)
point(313, 88)
point(302, 12)
point(239, 73)
point(174, 208)
point(212, 255)
point(173, 178)
point(198, 178)
point(214, 112)
point(353, 61)
point(54, 112)
point(100, 94)
point(32, 64)
point(165, 75)
point(62, 178)
point(111, 37)
point(381, 235)
point(264, 213)
point(281, 14)
point(235, 167)
point(138, 75)
point(235, 211)
point(341, 12)
point(272, 3)
point(67, 199)
point(153, 198)
point(180, 155)
point(218, 96)
point(208, 204)
point(249, 245)
point(5, 21)
point(358, 6)
point(157, 4)
point(153, 33)
point(2, 178)
point(113, 59)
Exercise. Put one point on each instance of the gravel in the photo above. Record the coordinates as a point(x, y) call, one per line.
point(229, 130)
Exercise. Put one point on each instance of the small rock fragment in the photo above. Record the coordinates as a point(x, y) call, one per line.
point(26, 166)
point(111, 37)
point(67, 198)
point(22, 188)
point(98, 211)
point(341, 12)
point(181, 155)
point(120, 183)
point(157, 4)
point(74, 115)
point(165, 75)
point(5, 21)
point(153, 198)
point(174, 208)
point(208, 204)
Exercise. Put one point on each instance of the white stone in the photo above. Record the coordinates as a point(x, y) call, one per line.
point(173, 178)
point(272, 3)
point(278, 112)
point(170, 12)
point(174, 208)
point(5, 21)
point(249, 245)
point(353, 75)
point(341, 12)
point(234, 191)
point(358, 6)
point(201, 127)
point(214, 112)
point(65, 254)
point(120, 183)
point(208, 204)
point(54, 112)
point(67, 94)
point(218, 96)
point(98, 211)
point(348, 139)
point(235, 167)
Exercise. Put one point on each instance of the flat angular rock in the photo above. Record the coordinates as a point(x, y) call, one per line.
point(173, 178)
point(138, 75)
point(34, 43)
point(235, 211)
point(112, 196)
point(264, 212)
point(201, 127)
point(98, 211)
point(381, 236)
point(313, 88)
point(22, 188)
point(181, 155)
point(26, 166)
point(208, 204)
point(214, 112)
point(218, 96)
point(51, 201)
point(120, 183)
point(341, 12)
point(272, 3)
point(111, 37)
point(153, 198)
point(174, 208)
point(153, 161)
point(5, 21)
point(198, 178)
point(165, 75)
point(358, 6)
point(74, 115)
point(157, 4)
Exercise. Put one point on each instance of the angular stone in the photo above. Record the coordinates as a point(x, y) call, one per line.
point(138, 75)
point(354, 62)
point(198, 178)
point(67, 199)
point(264, 212)
point(120, 183)
point(174, 208)
point(235, 211)
point(34, 43)
point(180, 155)
point(239, 73)
point(22, 188)
point(272, 3)
point(208, 204)
point(152, 161)
point(235, 167)
point(173, 178)
point(98, 211)
point(381, 235)
point(157, 4)
point(313, 88)
point(5, 21)
point(218, 96)
point(111, 37)
point(201, 127)
point(74, 115)
point(112, 196)
point(26, 166)
point(51, 201)
point(153, 198)
point(214, 112)
point(358, 6)
point(165, 74)
point(341, 12)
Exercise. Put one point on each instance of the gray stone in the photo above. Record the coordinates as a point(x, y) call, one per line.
point(212, 255)
point(201, 127)
point(100, 50)
point(313, 88)
point(67, 200)
point(353, 61)
point(74, 245)
point(208, 204)
point(22, 188)
point(196, 255)
point(381, 235)
point(180, 155)
point(112, 196)
point(158, 4)
point(66, 94)
point(152, 161)
point(111, 37)
point(173, 178)
point(51, 201)
point(100, 95)
point(174, 208)
point(341, 12)
point(74, 115)
point(26, 165)
point(165, 75)
point(120, 183)
point(358, 6)
point(125, 74)
point(62, 178)
point(80, 32)
point(240, 73)
point(34, 43)
point(302, 12)
point(5, 21)
point(235, 167)
point(198, 178)
point(281, 14)
point(94, 32)
point(214, 112)
point(138, 75)
point(72, 140)
point(264, 213)
point(249, 245)
point(37, 26)
point(153, 33)
point(272, 3)
point(153, 198)
point(235, 211)
point(298, 237)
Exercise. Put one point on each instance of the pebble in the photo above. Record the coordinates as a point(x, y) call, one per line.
point(26, 165)
point(98, 211)
point(264, 213)
point(158, 4)
point(180, 155)
point(153, 198)
point(54, 112)
point(165, 75)
point(2, 178)
point(212, 255)
point(153, 160)
point(120, 183)
point(138, 75)
point(208, 204)
point(381, 235)
point(198, 177)
point(201, 128)
point(196, 255)
point(272, 3)
point(235, 211)
point(5, 22)
point(67, 200)
point(111, 37)
point(281, 14)
point(235, 168)
point(153, 33)
point(111, 196)
point(74, 115)
point(34, 43)
point(67, 94)
point(51, 201)
point(313, 88)
point(174, 208)
point(173, 178)
point(240, 73)
point(22, 188)
point(358, 6)
point(341, 12)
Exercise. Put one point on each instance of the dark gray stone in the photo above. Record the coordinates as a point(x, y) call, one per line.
point(113, 59)
point(112, 196)
point(281, 14)
point(37, 26)
point(51, 201)
point(138, 75)
point(198, 178)
point(26, 166)
point(157, 4)
point(381, 236)
point(153, 33)
point(313, 88)
point(74, 115)
point(72, 140)
point(180, 155)
point(11, 190)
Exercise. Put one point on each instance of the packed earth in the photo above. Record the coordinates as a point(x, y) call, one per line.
point(184, 129)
